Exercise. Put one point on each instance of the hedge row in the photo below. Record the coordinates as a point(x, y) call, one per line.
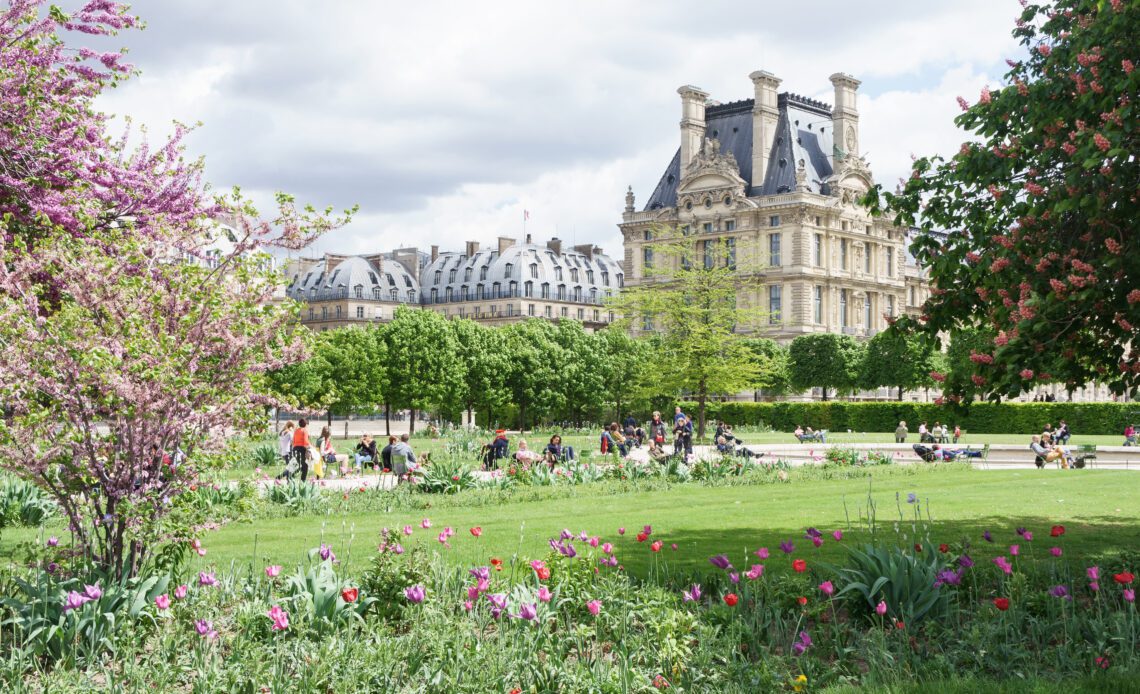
point(981, 418)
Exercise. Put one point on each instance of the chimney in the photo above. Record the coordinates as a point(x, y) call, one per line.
point(555, 244)
point(472, 248)
point(505, 242)
point(765, 116)
point(586, 250)
point(528, 239)
point(434, 253)
point(845, 114)
point(692, 122)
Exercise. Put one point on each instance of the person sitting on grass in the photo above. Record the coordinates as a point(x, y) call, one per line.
point(525, 455)
point(402, 454)
point(1046, 452)
point(365, 452)
point(556, 452)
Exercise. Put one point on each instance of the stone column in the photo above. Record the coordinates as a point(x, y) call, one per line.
point(765, 116)
point(845, 114)
point(692, 123)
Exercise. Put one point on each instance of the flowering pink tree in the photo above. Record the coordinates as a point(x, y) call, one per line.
point(1042, 206)
point(134, 330)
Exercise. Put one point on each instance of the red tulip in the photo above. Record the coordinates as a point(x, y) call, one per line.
point(656, 546)
point(802, 600)
point(1001, 603)
point(1124, 578)
point(944, 548)
point(477, 531)
point(542, 572)
point(642, 537)
point(497, 563)
point(1058, 531)
point(799, 566)
point(917, 547)
point(731, 600)
point(349, 595)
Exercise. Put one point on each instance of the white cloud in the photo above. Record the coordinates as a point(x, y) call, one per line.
point(445, 120)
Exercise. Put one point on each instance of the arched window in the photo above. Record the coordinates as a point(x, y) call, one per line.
point(467, 275)
point(534, 271)
point(451, 275)
point(562, 292)
point(508, 270)
point(528, 289)
point(545, 290)
point(438, 276)
point(447, 294)
point(358, 291)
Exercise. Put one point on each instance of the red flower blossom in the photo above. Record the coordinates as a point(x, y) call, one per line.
point(659, 682)
point(349, 595)
point(1057, 531)
point(1001, 603)
point(731, 599)
point(799, 566)
point(642, 537)
point(802, 600)
point(917, 547)
point(497, 563)
point(543, 573)
point(944, 548)
point(656, 546)
point(1124, 578)
point(477, 531)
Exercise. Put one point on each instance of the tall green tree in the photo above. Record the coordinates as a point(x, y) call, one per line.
point(628, 371)
point(896, 359)
point(483, 351)
point(825, 360)
point(689, 299)
point(775, 373)
point(424, 370)
point(357, 374)
point(581, 371)
point(1041, 205)
point(533, 378)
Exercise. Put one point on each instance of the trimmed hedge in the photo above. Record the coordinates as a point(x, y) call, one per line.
point(1093, 418)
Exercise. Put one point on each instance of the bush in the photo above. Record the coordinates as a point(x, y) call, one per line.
point(23, 503)
point(297, 496)
point(1093, 418)
point(444, 477)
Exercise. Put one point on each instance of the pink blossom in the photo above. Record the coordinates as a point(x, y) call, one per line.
point(608, 548)
point(273, 570)
point(279, 617)
point(1129, 595)
point(755, 572)
point(407, 530)
point(594, 606)
point(1027, 374)
point(1102, 142)
point(180, 592)
point(1093, 572)
point(1014, 550)
point(965, 106)
point(425, 523)
point(1128, 66)
point(986, 97)
point(838, 534)
point(827, 588)
point(881, 608)
point(544, 594)
point(1055, 551)
point(1044, 49)
point(207, 578)
point(162, 602)
point(762, 553)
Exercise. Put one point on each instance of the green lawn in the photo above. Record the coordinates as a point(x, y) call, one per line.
point(1098, 508)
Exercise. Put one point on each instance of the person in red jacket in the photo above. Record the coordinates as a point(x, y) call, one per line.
point(301, 447)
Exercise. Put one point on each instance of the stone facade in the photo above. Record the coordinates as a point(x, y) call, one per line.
point(769, 174)
point(509, 282)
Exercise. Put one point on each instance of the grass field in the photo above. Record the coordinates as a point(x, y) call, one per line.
point(1098, 508)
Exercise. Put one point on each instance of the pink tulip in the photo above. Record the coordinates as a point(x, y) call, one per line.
point(180, 592)
point(838, 535)
point(162, 602)
point(1129, 595)
point(544, 594)
point(755, 572)
point(608, 548)
point(594, 606)
point(1093, 573)
point(827, 588)
point(621, 531)
point(273, 571)
point(881, 608)
point(407, 530)
point(1055, 551)
point(425, 523)
point(1014, 550)
point(280, 618)
point(762, 553)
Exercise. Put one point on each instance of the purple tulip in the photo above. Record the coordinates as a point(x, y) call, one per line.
point(528, 612)
point(52, 541)
point(499, 600)
point(693, 595)
point(415, 594)
point(787, 547)
point(207, 578)
point(720, 561)
point(482, 572)
point(74, 601)
point(811, 533)
point(326, 553)
point(987, 537)
point(1060, 592)
point(802, 644)
point(93, 592)
point(965, 561)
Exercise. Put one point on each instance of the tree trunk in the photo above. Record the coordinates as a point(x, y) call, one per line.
point(345, 428)
point(411, 420)
point(522, 418)
point(900, 393)
point(387, 419)
point(702, 397)
point(328, 419)
point(825, 393)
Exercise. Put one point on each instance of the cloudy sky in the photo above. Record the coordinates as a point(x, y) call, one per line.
point(444, 121)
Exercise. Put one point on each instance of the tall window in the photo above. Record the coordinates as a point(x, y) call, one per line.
point(564, 312)
point(890, 305)
point(338, 311)
point(774, 300)
point(774, 220)
point(545, 290)
point(843, 307)
point(730, 225)
point(710, 261)
point(478, 291)
point(867, 260)
point(817, 304)
point(774, 249)
point(483, 272)
point(549, 312)
point(530, 310)
point(573, 274)
point(434, 295)
point(867, 313)
point(708, 227)
point(447, 295)
point(467, 275)
point(528, 289)
point(359, 311)
point(685, 230)
point(606, 277)
point(534, 271)
point(647, 261)
point(451, 275)
point(648, 235)
point(438, 276)
point(358, 291)
point(508, 269)
point(324, 313)
point(581, 314)
point(562, 292)
point(730, 253)
point(590, 276)
point(817, 250)
point(843, 253)
point(310, 314)
point(558, 273)
point(890, 262)
point(912, 301)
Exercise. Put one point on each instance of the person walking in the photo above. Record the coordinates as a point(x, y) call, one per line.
point(683, 436)
point(657, 429)
point(301, 444)
point(285, 447)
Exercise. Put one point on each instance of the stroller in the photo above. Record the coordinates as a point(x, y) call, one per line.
point(926, 454)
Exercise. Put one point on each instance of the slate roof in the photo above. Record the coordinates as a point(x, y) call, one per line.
point(803, 132)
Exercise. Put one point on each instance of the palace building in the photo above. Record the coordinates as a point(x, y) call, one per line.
point(782, 174)
point(508, 282)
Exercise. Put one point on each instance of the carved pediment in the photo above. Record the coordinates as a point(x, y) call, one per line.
point(711, 169)
point(852, 178)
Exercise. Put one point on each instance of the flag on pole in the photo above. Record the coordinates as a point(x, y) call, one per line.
point(526, 215)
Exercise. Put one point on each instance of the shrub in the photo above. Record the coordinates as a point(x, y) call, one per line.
point(316, 594)
point(23, 503)
point(908, 582)
point(297, 496)
point(448, 476)
point(265, 456)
